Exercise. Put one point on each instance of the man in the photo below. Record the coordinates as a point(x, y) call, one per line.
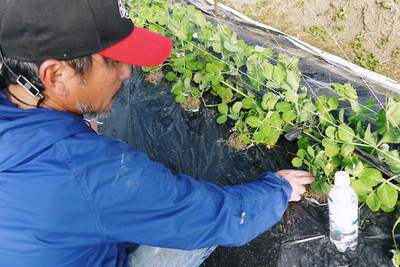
point(70, 197)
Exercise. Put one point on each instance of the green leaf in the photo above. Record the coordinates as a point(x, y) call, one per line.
point(283, 106)
point(253, 121)
point(391, 135)
point(341, 115)
point(224, 92)
point(331, 148)
point(319, 163)
point(321, 187)
point(388, 195)
point(345, 91)
point(333, 103)
point(368, 136)
point(259, 137)
point(268, 101)
point(275, 120)
point(393, 113)
point(222, 119)
point(272, 84)
point(186, 83)
point(278, 74)
point(223, 108)
point(216, 79)
point(353, 166)
point(198, 78)
point(293, 79)
point(231, 47)
point(234, 116)
point(311, 151)
point(171, 76)
point(205, 34)
point(303, 142)
point(387, 209)
point(244, 138)
point(267, 69)
point(301, 153)
point(272, 137)
point(248, 103)
point(307, 112)
point(361, 188)
point(289, 115)
point(347, 150)
point(326, 118)
point(291, 96)
point(237, 107)
point(350, 92)
point(345, 133)
point(214, 67)
point(393, 161)
point(396, 258)
point(330, 132)
point(267, 53)
point(373, 201)
point(297, 162)
point(371, 177)
point(180, 99)
point(177, 88)
point(336, 161)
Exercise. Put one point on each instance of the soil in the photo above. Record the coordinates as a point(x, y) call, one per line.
point(321, 199)
point(365, 32)
point(234, 142)
point(192, 104)
point(154, 77)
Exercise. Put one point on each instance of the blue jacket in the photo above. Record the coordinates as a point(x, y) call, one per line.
point(69, 197)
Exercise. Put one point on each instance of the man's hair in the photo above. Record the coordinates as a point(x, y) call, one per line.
point(31, 70)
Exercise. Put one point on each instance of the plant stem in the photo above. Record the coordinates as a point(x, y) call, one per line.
point(234, 89)
point(207, 105)
point(388, 181)
point(216, 7)
point(393, 235)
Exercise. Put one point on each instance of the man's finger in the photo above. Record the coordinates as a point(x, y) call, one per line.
point(302, 190)
point(305, 179)
point(301, 174)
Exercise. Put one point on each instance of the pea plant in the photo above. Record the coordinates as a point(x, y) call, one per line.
point(262, 96)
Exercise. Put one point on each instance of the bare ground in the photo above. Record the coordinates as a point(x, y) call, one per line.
point(365, 32)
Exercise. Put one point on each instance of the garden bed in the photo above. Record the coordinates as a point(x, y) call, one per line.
point(366, 32)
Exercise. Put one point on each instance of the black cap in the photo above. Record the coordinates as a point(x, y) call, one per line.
point(36, 30)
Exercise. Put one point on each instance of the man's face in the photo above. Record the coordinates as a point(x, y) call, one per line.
point(97, 88)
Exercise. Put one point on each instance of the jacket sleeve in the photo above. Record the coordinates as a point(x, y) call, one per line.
point(134, 199)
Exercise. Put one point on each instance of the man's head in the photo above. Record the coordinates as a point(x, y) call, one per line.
point(65, 43)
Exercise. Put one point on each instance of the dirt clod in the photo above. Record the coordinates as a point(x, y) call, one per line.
point(154, 77)
point(234, 142)
point(192, 104)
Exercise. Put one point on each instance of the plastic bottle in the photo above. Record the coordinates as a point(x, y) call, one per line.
point(343, 213)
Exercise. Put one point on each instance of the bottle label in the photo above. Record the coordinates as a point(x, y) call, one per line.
point(343, 214)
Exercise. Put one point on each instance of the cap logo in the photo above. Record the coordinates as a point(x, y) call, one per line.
point(123, 10)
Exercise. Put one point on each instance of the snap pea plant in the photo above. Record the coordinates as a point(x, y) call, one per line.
point(262, 96)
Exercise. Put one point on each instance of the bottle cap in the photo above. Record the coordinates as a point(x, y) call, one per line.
point(342, 179)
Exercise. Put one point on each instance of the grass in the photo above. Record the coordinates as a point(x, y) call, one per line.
point(317, 32)
point(363, 57)
point(342, 14)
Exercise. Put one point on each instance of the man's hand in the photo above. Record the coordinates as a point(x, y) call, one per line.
point(298, 180)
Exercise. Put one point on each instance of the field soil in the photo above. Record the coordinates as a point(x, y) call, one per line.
point(365, 32)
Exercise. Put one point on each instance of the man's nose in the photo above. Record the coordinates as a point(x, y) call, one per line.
point(125, 71)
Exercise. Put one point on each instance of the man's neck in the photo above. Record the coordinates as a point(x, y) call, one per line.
point(20, 96)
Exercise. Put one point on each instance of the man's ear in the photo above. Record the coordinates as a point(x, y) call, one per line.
point(52, 74)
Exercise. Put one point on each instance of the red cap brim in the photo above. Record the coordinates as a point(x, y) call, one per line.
point(140, 48)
